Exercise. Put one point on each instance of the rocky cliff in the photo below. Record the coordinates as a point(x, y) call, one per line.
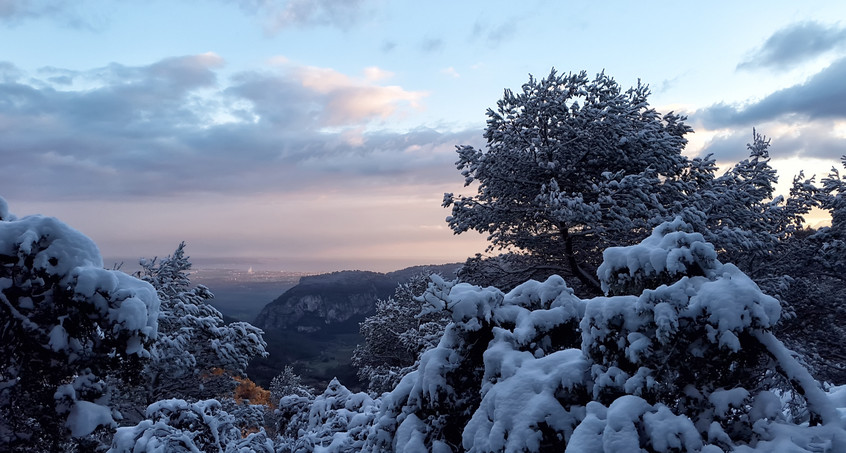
point(322, 300)
point(314, 325)
point(326, 300)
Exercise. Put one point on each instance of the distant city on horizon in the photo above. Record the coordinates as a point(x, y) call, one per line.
point(258, 269)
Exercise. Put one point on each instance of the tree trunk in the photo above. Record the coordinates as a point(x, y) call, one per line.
point(589, 281)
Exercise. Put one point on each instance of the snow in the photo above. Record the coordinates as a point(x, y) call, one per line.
point(692, 306)
point(58, 338)
point(5, 215)
point(471, 305)
point(523, 398)
point(66, 247)
point(410, 435)
point(724, 399)
point(86, 318)
point(817, 400)
point(671, 249)
point(60, 250)
point(734, 302)
point(620, 432)
point(767, 405)
point(179, 425)
point(86, 416)
point(670, 432)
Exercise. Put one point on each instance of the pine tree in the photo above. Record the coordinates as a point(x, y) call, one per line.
point(396, 335)
point(193, 338)
point(572, 165)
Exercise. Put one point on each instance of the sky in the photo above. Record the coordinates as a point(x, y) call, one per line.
point(320, 135)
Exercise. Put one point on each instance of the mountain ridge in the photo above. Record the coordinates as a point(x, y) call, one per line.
point(313, 326)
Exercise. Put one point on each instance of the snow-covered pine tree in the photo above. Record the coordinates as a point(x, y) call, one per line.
point(287, 382)
point(807, 271)
point(740, 216)
point(572, 165)
point(196, 352)
point(395, 336)
point(336, 421)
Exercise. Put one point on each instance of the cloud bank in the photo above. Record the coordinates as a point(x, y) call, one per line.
point(795, 44)
point(823, 96)
point(175, 127)
point(805, 120)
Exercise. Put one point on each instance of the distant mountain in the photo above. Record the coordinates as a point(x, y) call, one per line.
point(319, 301)
point(314, 325)
point(327, 300)
point(243, 294)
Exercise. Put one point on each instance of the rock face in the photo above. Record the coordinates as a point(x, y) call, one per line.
point(320, 300)
point(314, 325)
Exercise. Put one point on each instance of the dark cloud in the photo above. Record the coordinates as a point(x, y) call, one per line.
point(816, 140)
point(171, 128)
point(11, 10)
point(432, 45)
point(495, 35)
point(795, 44)
point(388, 46)
point(729, 148)
point(823, 96)
point(9, 73)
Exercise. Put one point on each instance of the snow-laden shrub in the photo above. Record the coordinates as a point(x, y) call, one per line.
point(431, 406)
point(179, 426)
point(685, 362)
point(66, 324)
point(335, 421)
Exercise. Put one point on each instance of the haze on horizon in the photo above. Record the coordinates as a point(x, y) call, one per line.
point(319, 135)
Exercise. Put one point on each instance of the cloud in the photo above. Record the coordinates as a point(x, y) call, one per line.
point(430, 45)
point(276, 15)
point(322, 97)
point(795, 44)
point(728, 147)
point(9, 73)
point(816, 140)
point(22, 9)
point(495, 35)
point(279, 15)
point(73, 14)
point(807, 120)
point(176, 127)
point(388, 46)
point(450, 71)
point(823, 96)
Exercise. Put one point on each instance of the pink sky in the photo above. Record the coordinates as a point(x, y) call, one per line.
point(319, 135)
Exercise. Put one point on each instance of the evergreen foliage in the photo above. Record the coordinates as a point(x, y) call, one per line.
point(572, 165)
point(193, 338)
point(396, 335)
point(67, 325)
